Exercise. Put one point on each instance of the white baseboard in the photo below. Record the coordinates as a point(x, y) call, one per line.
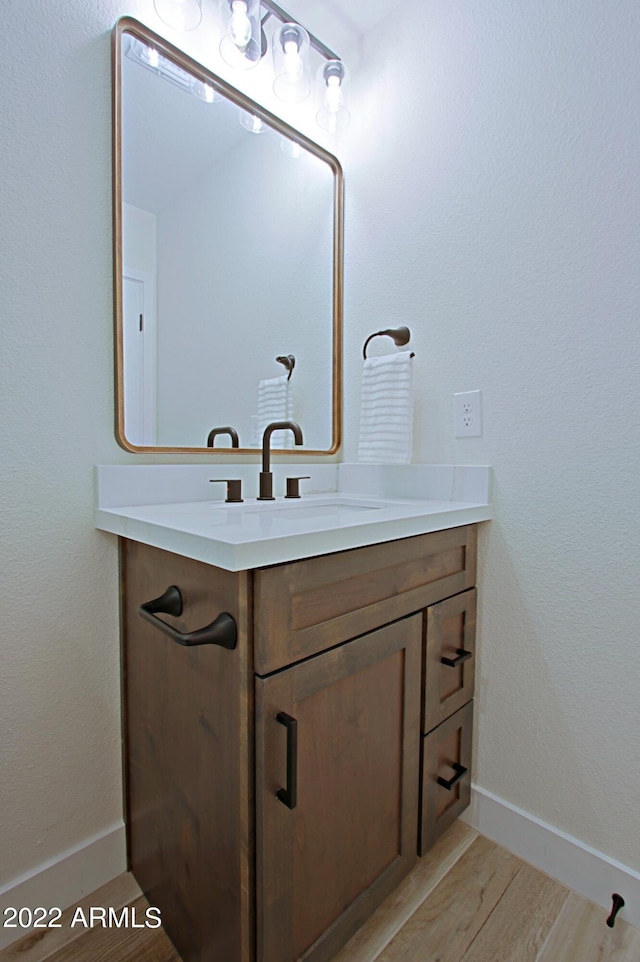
point(66, 879)
point(578, 866)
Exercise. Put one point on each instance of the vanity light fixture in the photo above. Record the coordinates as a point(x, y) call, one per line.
point(245, 43)
point(291, 56)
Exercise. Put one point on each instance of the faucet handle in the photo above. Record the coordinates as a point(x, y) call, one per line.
point(293, 485)
point(234, 489)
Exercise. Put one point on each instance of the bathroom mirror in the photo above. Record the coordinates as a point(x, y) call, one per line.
point(227, 256)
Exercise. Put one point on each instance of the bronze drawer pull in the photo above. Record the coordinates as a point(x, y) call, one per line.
point(618, 903)
point(459, 770)
point(223, 631)
point(454, 662)
point(289, 796)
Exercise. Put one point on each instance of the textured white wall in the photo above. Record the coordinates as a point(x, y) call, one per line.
point(493, 206)
point(59, 715)
point(60, 778)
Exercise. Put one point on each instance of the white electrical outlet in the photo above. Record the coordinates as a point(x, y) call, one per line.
point(467, 408)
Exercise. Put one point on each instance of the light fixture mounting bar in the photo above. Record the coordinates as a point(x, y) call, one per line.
point(282, 15)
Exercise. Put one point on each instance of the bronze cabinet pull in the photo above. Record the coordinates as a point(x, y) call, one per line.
point(454, 662)
point(618, 903)
point(459, 770)
point(223, 631)
point(289, 795)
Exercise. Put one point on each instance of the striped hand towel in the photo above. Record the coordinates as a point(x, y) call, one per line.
point(275, 403)
point(386, 411)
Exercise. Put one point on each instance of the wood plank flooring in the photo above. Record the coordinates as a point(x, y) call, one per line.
point(468, 900)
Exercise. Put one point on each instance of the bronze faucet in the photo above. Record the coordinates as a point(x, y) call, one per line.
point(266, 477)
point(233, 434)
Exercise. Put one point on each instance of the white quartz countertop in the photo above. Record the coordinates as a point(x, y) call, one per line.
point(367, 505)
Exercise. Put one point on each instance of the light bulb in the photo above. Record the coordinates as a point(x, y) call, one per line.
point(333, 97)
point(332, 115)
point(290, 63)
point(154, 57)
point(239, 24)
point(293, 64)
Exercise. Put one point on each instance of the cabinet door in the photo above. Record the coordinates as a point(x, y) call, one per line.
point(324, 865)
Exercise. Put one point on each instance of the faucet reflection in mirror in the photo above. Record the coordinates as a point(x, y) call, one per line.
point(233, 434)
point(245, 41)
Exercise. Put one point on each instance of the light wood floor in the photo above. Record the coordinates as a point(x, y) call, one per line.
point(467, 901)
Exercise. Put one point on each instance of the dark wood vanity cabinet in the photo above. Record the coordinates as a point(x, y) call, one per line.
point(277, 792)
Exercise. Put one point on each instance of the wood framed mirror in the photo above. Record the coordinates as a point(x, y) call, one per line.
point(228, 262)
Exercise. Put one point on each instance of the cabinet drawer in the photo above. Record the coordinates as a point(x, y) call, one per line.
point(306, 607)
point(449, 664)
point(446, 752)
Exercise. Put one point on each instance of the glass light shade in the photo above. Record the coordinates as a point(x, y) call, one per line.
point(165, 68)
point(179, 14)
point(148, 56)
point(291, 63)
point(291, 148)
point(332, 111)
point(241, 45)
point(205, 91)
point(252, 123)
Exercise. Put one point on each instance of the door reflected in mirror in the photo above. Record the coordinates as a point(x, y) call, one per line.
point(228, 249)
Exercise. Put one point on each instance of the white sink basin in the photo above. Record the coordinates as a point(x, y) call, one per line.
point(171, 507)
point(338, 510)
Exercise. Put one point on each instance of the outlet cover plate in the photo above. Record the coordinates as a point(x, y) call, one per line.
point(467, 409)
